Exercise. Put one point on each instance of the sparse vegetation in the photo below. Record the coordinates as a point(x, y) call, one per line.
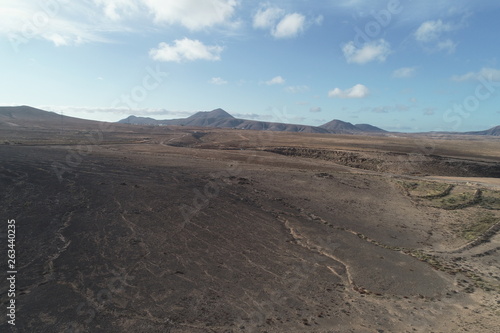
point(490, 200)
point(425, 189)
point(457, 200)
point(450, 197)
point(478, 227)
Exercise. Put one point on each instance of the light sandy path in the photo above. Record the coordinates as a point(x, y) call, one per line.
point(487, 182)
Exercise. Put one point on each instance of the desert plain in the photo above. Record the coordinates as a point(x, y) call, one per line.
point(128, 228)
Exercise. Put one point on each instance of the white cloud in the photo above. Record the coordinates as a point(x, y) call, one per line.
point(193, 14)
point(218, 81)
point(185, 50)
point(57, 39)
point(290, 26)
point(146, 112)
point(296, 89)
point(404, 72)
point(319, 20)
point(375, 50)
point(315, 109)
point(430, 34)
point(275, 80)
point(432, 30)
point(447, 45)
point(65, 22)
point(280, 24)
point(490, 74)
point(358, 91)
point(253, 116)
point(266, 18)
point(23, 20)
point(390, 108)
point(118, 9)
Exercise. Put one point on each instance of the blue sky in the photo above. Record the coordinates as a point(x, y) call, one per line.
point(400, 65)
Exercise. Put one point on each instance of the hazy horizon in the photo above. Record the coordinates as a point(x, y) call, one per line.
point(207, 111)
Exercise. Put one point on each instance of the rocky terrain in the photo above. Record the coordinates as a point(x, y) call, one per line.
point(191, 229)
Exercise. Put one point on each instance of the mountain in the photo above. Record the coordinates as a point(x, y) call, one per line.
point(370, 128)
point(214, 118)
point(25, 112)
point(281, 127)
point(27, 116)
point(339, 126)
point(221, 119)
point(217, 113)
point(342, 127)
point(494, 131)
point(139, 120)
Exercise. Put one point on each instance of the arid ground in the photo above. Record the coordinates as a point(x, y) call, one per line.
point(123, 228)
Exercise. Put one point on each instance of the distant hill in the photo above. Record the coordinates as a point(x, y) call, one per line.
point(27, 116)
point(139, 120)
point(217, 113)
point(370, 128)
point(339, 126)
point(26, 113)
point(221, 119)
point(214, 118)
point(494, 131)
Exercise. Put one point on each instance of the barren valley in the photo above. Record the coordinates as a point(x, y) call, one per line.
point(136, 228)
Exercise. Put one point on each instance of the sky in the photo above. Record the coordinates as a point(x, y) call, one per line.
point(402, 65)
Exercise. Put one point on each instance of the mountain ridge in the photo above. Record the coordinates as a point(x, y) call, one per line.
point(494, 131)
point(222, 119)
point(27, 116)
